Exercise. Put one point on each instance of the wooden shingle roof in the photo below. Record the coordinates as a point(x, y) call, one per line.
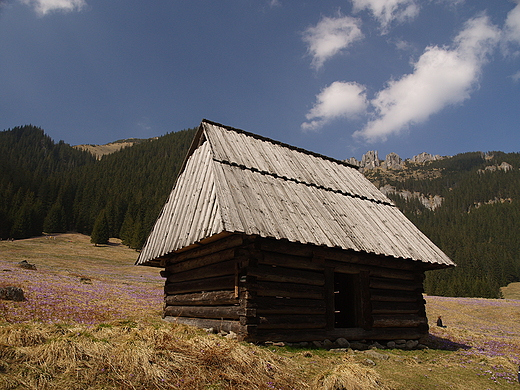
point(234, 181)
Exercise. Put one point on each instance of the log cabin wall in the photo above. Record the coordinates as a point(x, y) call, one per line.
point(292, 289)
point(201, 287)
point(264, 289)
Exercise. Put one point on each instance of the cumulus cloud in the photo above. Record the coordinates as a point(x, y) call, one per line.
point(338, 100)
point(330, 36)
point(512, 25)
point(43, 7)
point(386, 11)
point(441, 77)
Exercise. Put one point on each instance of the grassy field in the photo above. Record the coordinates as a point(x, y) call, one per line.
point(92, 320)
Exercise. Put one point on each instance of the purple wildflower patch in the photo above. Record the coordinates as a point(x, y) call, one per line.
point(53, 296)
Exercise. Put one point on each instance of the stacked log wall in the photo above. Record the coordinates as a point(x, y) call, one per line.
point(290, 291)
point(264, 289)
point(201, 286)
point(285, 299)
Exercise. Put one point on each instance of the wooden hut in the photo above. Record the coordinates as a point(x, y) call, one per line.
point(278, 243)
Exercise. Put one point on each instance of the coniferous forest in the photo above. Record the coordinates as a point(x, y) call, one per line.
point(53, 187)
point(477, 224)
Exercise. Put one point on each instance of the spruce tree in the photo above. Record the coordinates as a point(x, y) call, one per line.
point(100, 233)
point(55, 220)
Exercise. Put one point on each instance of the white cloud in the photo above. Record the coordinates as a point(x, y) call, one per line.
point(43, 7)
point(516, 77)
point(441, 77)
point(330, 36)
point(338, 100)
point(402, 45)
point(386, 11)
point(512, 25)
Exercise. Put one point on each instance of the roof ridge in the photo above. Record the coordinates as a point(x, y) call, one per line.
point(260, 137)
point(275, 175)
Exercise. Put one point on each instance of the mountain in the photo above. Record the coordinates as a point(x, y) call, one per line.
point(467, 204)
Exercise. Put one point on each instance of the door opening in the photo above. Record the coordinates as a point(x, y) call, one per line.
point(346, 301)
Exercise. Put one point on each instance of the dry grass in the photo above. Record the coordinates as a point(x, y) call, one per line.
point(135, 356)
point(100, 150)
point(107, 334)
point(349, 375)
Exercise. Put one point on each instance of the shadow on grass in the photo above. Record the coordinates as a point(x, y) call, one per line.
point(436, 342)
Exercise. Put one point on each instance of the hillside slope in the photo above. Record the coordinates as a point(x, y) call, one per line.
point(469, 205)
point(54, 188)
point(101, 150)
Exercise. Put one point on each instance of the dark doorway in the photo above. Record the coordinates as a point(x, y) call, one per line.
point(346, 300)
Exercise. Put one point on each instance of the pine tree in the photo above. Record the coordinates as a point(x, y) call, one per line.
point(55, 220)
point(100, 233)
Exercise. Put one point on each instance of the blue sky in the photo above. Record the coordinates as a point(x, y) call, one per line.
point(334, 77)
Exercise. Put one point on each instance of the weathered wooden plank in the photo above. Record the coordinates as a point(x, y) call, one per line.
point(273, 305)
point(393, 273)
point(178, 232)
point(202, 299)
point(288, 290)
point(199, 220)
point(202, 323)
point(292, 322)
point(395, 284)
point(346, 268)
point(339, 255)
point(395, 295)
point(286, 247)
point(381, 307)
point(286, 275)
point(202, 261)
point(399, 321)
point(220, 283)
point(229, 241)
point(215, 312)
point(306, 263)
point(210, 271)
point(379, 261)
point(290, 261)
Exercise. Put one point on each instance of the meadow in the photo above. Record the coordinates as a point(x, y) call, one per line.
point(91, 319)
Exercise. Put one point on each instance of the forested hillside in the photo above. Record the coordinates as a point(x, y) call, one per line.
point(477, 222)
point(34, 180)
point(53, 188)
point(469, 204)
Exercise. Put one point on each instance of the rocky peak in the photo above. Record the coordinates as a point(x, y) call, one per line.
point(493, 168)
point(370, 160)
point(393, 161)
point(424, 157)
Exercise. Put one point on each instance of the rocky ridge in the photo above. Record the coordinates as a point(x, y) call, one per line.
point(370, 164)
point(370, 160)
point(394, 167)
